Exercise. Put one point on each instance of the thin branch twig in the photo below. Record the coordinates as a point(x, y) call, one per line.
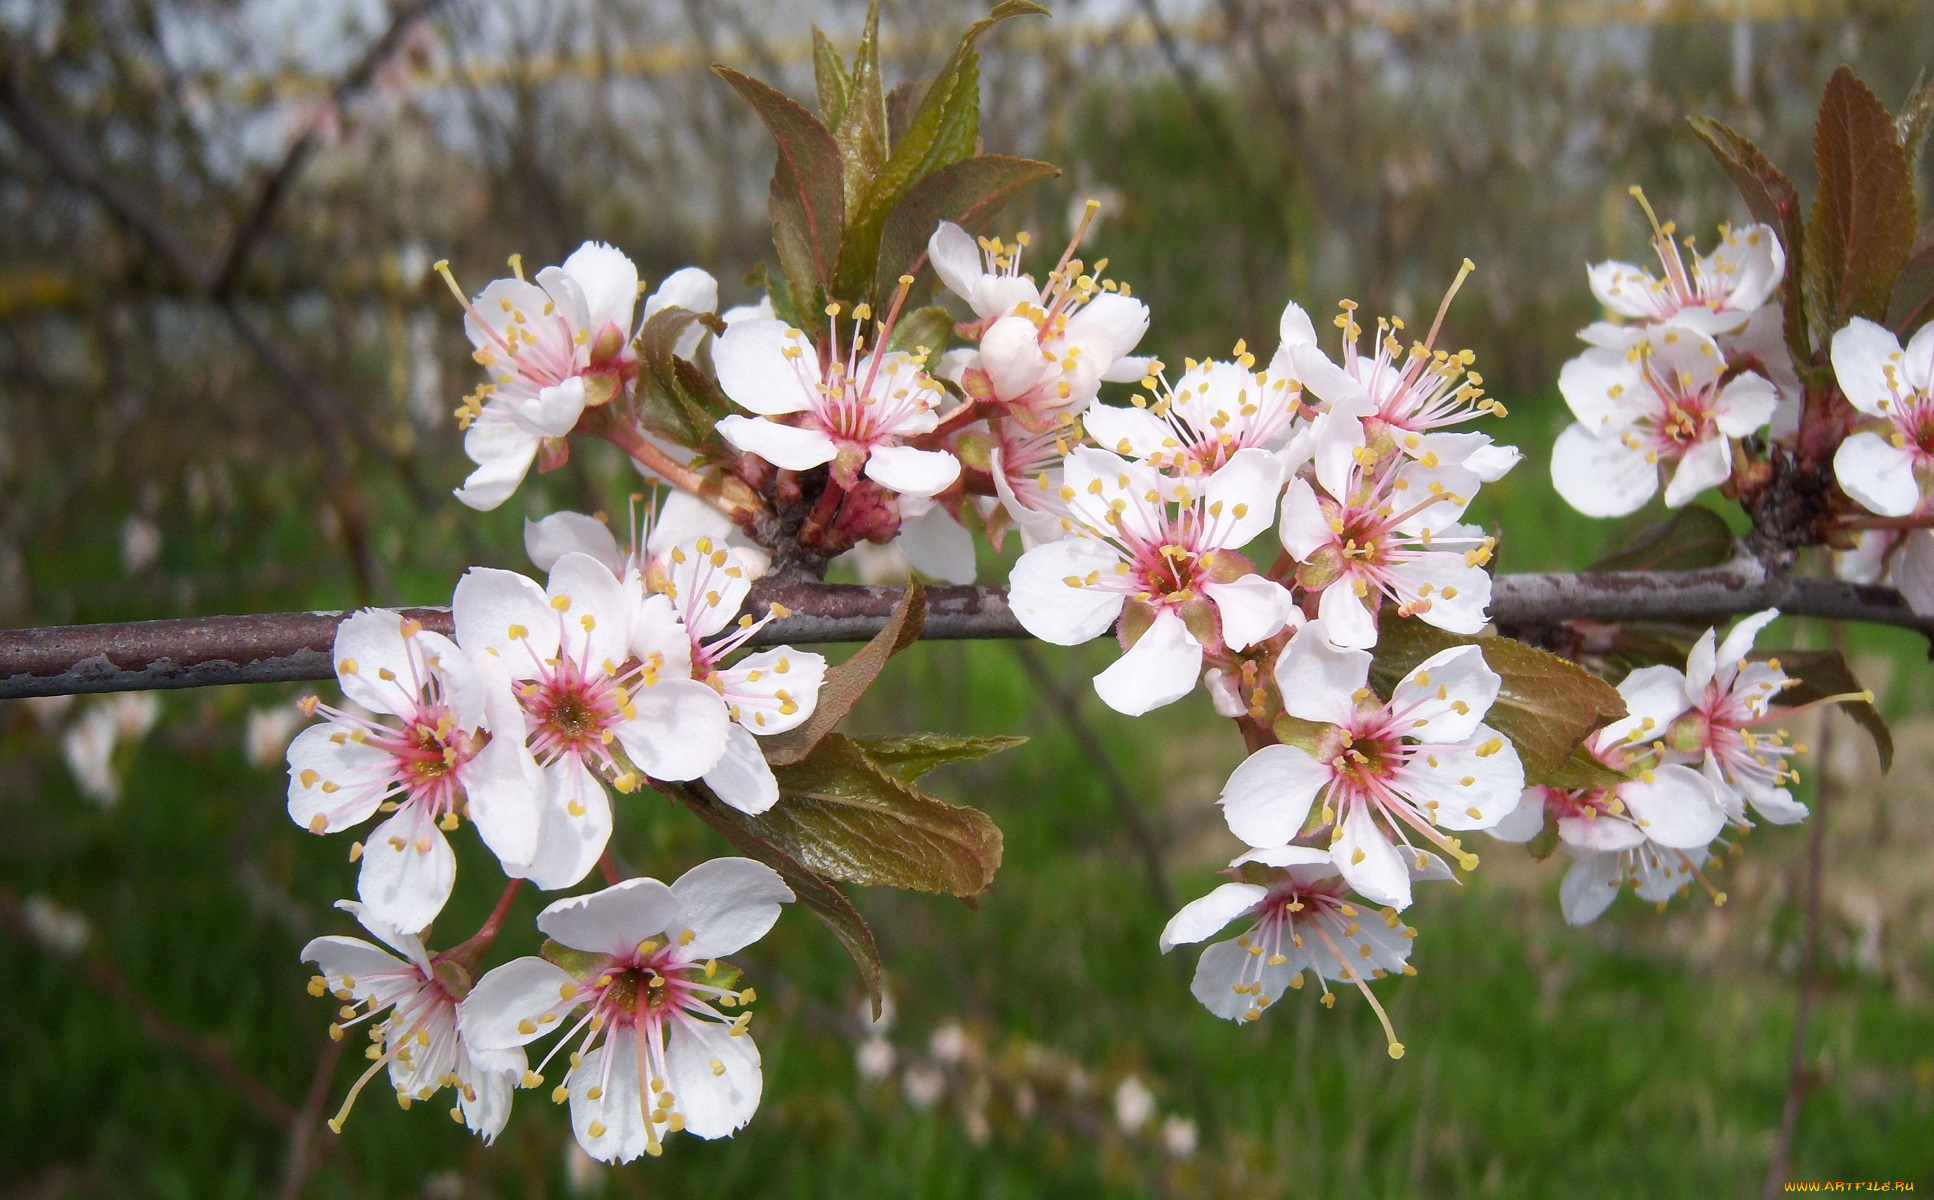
point(1066, 703)
point(279, 647)
point(1799, 1079)
point(255, 222)
point(207, 1049)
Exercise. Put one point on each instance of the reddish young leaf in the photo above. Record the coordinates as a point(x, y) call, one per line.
point(1862, 229)
point(1913, 301)
point(1773, 200)
point(850, 818)
point(819, 895)
point(808, 191)
point(966, 193)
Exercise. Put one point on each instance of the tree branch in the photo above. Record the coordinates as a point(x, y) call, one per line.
point(279, 647)
point(255, 222)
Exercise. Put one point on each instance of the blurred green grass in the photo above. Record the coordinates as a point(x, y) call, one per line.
point(1606, 1062)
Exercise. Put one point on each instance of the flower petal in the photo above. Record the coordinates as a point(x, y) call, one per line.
point(1012, 357)
point(1590, 886)
point(788, 446)
point(1601, 476)
point(615, 920)
point(938, 546)
point(679, 730)
point(1473, 786)
point(408, 870)
point(1677, 809)
point(493, 1015)
point(1051, 608)
point(1160, 668)
point(574, 826)
point(1319, 680)
point(1877, 474)
point(1369, 862)
point(1861, 354)
point(912, 472)
point(503, 452)
point(1599, 386)
point(1445, 697)
point(609, 281)
point(489, 604)
point(743, 778)
point(1654, 697)
point(611, 1128)
point(1241, 497)
point(1745, 404)
point(1251, 609)
point(1268, 797)
point(1704, 466)
point(340, 782)
point(562, 533)
point(766, 367)
point(727, 903)
point(714, 1071)
point(1206, 916)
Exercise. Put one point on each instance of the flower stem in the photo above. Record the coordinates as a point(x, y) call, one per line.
point(727, 493)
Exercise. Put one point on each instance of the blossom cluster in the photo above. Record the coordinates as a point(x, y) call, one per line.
point(1693, 375)
point(1695, 362)
point(1697, 757)
point(1256, 529)
point(624, 668)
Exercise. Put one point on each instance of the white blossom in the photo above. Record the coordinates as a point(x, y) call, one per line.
point(1166, 554)
point(552, 349)
point(416, 1038)
point(438, 766)
point(1661, 406)
point(1883, 466)
point(855, 411)
point(636, 986)
point(1301, 921)
point(1385, 772)
point(579, 672)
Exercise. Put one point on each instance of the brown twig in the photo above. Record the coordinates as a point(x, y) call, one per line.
point(255, 222)
point(205, 1048)
point(302, 1133)
point(279, 647)
point(72, 161)
point(1799, 1078)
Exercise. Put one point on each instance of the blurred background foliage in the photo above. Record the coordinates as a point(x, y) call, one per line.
point(226, 380)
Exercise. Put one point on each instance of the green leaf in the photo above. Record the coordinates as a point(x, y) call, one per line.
point(1911, 123)
point(1913, 301)
point(1773, 200)
point(1547, 706)
point(1862, 228)
point(1824, 673)
point(967, 193)
point(1583, 770)
point(823, 898)
point(1543, 845)
point(849, 818)
point(1691, 538)
point(808, 194)
point(677, 401)
point(944, 129)
point(912, 755)
point(931, 327)
point(861, 131)
point(848, 681)
point(901, 103)
point(830, 79)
